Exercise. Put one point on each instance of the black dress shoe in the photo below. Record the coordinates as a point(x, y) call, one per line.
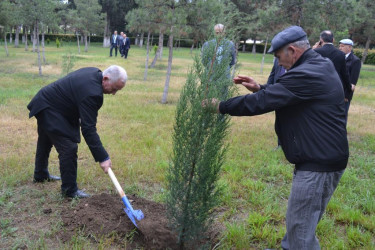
point(78, 194)
point(49, 178)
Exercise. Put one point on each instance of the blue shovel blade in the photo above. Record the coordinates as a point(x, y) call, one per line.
point(132, 214)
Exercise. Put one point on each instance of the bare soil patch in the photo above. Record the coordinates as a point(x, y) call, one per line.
point(103, 216)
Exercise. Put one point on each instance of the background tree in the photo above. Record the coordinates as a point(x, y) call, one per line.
point(89, 17)
point(363, 23)
point(115, 11)
point(142, 18)
point(36, 12)
point(248, 24)
point(175, 16)
point(6, 10)
point(201, 19)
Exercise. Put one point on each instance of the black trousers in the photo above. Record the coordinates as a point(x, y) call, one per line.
point(126, 53)
point(113, 45)
point(67, 151)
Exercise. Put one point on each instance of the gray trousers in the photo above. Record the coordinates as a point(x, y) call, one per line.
point(310, 194)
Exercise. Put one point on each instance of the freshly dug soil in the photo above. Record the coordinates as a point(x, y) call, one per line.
point(103, 216)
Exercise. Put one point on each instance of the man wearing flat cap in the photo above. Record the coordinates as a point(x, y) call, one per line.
point(308, 101)
point(353, 65)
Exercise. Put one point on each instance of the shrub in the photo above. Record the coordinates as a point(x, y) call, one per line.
point(155, 48)
point(370, 59)
point(68, 62)
point(48, 41)
point(57, 43)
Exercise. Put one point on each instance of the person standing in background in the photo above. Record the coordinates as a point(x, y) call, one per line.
point(326, 48)
point(121, 39)
point(353, 65)
point(114, 43)
point(126, 42)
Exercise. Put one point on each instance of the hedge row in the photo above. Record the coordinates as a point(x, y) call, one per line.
point(259, 48)
point(187, 43)
point(370, 59)
point(61, 37)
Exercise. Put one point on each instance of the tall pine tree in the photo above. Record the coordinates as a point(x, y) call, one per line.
point(199, 145)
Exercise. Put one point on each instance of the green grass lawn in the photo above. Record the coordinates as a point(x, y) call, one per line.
point(136, 130)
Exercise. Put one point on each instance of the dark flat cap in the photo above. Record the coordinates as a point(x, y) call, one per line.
point(289, 35)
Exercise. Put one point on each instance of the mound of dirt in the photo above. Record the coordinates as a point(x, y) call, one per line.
point(103, 216)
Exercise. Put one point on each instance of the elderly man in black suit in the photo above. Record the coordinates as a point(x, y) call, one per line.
point(61, 109)
point(115, 42)
point(121, 42)
point(126, 45)
point(353, 65)
point(326, 48)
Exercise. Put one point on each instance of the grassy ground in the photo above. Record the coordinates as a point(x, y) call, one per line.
point(136, 131)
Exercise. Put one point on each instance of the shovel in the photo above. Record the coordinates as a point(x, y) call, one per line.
point(132, 214)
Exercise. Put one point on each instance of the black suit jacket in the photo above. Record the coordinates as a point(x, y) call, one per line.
point(338, 59)
point(353, 65)
point(126, 42)
point(64, 106)
point(275, 72)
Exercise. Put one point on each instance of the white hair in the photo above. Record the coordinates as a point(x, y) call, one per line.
point(219, 27)
point(115, 73)
point(303, 44)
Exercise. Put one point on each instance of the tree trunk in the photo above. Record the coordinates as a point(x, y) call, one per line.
point(152, 39)
point(106, 36)
point(5, 43)
point(192, 47)
point(148, 55)
point(82, 39)
point(244, 46)
point(85, 39)
point(264, 55)
point(34, 39)
point(136, 40)
point(141, 41)
point(89, 39)
point(79, 48)
point(37, 47)
point(160, 47)
point(17, 38)
point(43, 50)
point(161, 43)
point(169, 70)
point(365, 52)
point(155, 58)
point(10, 35)
point(254, 47)
point(25, 32)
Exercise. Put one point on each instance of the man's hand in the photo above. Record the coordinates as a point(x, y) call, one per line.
point(317, 45)
point(247, 82)
point(211, 105)
point(105, 165)
point(353, 87)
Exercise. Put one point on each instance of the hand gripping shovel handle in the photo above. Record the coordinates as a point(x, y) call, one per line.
point(132, 214)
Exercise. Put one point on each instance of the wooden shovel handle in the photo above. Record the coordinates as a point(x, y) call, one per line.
point(115, 182)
